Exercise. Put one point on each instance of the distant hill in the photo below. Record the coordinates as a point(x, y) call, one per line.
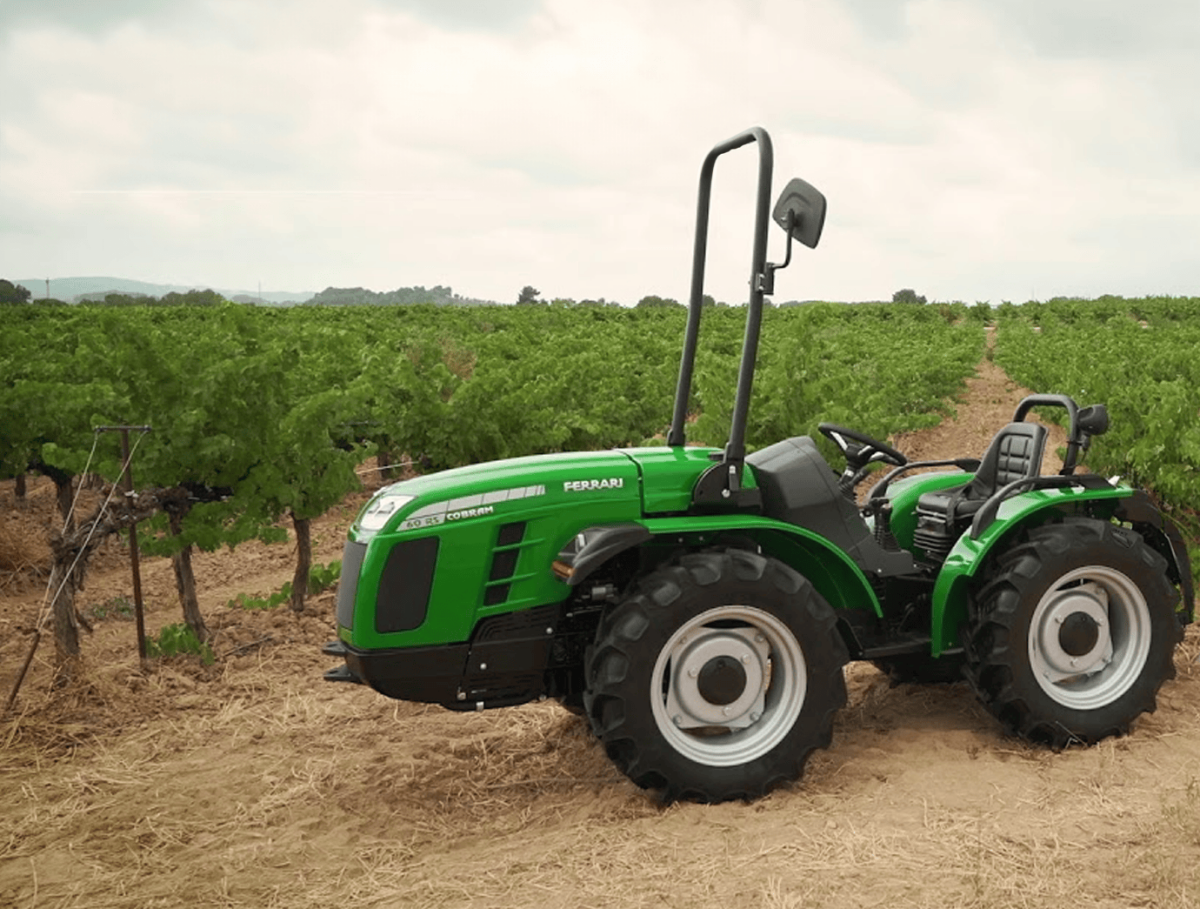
point(69, 289)
point(359, 296)
point(75, 290)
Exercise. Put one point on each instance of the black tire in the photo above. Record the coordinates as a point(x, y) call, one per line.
point(717, 678)
point(1073, 632)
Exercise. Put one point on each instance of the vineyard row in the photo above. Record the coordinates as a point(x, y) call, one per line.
point(263, 415)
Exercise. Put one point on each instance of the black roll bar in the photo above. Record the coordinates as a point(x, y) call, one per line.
point(735, 448)
point(1073, 439)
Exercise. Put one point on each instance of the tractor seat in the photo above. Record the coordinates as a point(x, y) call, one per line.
point(1014, 454)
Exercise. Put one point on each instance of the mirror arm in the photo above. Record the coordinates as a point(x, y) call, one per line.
point(766, 281)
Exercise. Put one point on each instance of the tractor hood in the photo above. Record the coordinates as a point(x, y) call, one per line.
point(661, 478)
point(492, 488)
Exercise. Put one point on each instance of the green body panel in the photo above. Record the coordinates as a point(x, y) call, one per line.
point(555, 496)
point(669, 474)
point(950, 594)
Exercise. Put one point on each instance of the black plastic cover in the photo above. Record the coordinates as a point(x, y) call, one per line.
point(799, 487)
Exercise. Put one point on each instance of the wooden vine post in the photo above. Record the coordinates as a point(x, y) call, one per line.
point(72, 551)
point(134, 560)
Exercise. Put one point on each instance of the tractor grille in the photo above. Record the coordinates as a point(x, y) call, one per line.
point(504, 563)
point(352, 559)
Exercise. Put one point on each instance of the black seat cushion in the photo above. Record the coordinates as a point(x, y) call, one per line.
point(1014, 454)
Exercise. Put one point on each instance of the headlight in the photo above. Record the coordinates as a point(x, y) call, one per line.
point(381, 509)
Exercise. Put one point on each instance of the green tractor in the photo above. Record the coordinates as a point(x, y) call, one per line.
point(698, 605)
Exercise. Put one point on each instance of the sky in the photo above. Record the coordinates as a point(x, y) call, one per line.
point(974, 150)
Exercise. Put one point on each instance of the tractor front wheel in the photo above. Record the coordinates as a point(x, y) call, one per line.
point(1073, 632)
point(717, 678)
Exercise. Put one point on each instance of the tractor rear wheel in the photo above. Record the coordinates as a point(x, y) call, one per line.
point(717, 678)
point(1073, 632)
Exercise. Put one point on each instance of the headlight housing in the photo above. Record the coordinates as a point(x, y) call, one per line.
point(380, 510)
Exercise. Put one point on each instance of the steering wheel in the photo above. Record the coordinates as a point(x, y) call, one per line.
point(866, 451)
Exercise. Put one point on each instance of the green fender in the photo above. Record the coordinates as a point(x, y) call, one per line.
point(951, 593)
point(828, 568)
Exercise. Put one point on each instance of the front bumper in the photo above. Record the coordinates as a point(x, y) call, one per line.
point(430, 675)
point(511, 658)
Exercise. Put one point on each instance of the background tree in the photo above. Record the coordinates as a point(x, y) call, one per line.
point(192, 298)
point(13, 294)
point(655, 300)
point(907, 295)
point(529, 294)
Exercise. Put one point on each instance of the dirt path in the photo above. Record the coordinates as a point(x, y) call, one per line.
point(254, 784)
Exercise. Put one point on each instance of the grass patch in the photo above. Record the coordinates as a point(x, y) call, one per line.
point(117, 608)
point(176, 640)
point(270, 601)
point(320, 579)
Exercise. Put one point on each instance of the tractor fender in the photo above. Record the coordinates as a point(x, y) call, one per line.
point(951, 592)
point(830, 570)
point(605, 543)
point(1163, 536)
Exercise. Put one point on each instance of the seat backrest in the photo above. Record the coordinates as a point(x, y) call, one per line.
point(1015, 453)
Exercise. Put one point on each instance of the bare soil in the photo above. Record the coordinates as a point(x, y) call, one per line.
point(253, 783)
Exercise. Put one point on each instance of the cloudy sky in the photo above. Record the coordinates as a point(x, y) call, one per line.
point(970, 149)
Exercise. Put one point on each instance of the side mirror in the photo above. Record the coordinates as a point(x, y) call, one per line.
point(801, 212)
point(1093, 420)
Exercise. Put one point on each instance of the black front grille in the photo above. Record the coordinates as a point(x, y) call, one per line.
point(352, 559)
point(511, 534)
point(509, 543)
point(495, 595)
point(504, 564)
point(405, 585)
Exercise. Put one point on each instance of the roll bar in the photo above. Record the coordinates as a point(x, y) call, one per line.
point(735, 449)
point(1084, 423)
point(800, 211)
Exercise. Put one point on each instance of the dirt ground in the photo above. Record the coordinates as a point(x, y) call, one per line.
point(253, 783)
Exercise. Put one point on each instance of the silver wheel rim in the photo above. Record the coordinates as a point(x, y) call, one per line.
point(1115, 609)
point(759, 717)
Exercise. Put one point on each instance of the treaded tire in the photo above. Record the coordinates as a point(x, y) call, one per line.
point(714, 615)
point(1020, 651)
